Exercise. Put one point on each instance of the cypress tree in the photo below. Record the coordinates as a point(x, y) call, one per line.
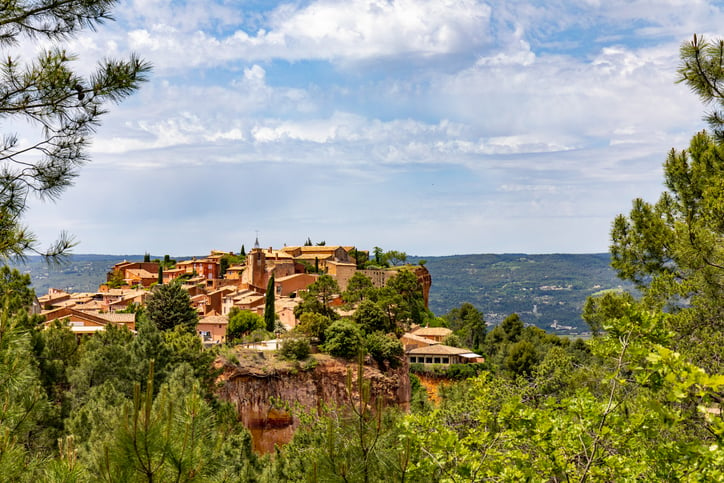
point(160, 274)
point(269, 315)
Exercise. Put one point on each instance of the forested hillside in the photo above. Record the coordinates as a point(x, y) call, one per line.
point(545, 290)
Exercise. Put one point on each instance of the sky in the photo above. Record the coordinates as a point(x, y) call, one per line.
point(434, 127)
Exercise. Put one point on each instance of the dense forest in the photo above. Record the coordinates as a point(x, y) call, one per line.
point(641, 400)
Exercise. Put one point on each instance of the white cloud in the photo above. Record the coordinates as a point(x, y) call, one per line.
point(488, 126)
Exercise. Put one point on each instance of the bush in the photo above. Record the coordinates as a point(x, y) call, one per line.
point(242, 322)
point(296, 349)
point(452, 371)
point(343, 339)
point(385, 349)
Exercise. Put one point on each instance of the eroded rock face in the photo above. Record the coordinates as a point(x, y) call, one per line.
point(267, 402)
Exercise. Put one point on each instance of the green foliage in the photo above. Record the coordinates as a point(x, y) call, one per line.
point(385, 349)
point(672, 249)
point(513, 327)
point(15, 291)
point(104, 357)
point(625, 418)
point(22, 400)
point(343, 338)
point(318, 297)
point(610, 305)
point(452, 372)
point(501, 284)
point(229, 259)
point(295, 348)
point(379, 254)
point(66, 107)
point(359, 288)
point(187, 349)
point(269, 313)
point(357, 441)
point(521, 358)
point(242, 322)
point(115, 279)
point(394, 257)
point(419, 400)
point(371, 318)
point(314, 325)
point(169, 306)
point(407, 286)
point(702, 68)
point(360, 257)
point(171, 437)
point(468, 325)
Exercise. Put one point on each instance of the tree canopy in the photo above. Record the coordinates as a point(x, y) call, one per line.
point(48, 93)
point(169, 306)
point(672, 249)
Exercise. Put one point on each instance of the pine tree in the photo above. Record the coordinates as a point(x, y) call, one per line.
point(48, 93)
point(169, 306)
point(269, 311)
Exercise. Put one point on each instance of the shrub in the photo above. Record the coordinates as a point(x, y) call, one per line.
point(385, 348)
point(295, 349)
point(343, 339)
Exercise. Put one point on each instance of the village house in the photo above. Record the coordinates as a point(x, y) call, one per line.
point(437, 334)
point(212, 329)
point(442, 354)
point(82, 322)
point(242, 285)
point(411, 341)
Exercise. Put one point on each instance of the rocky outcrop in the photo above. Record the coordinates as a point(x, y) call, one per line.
point(267, 399)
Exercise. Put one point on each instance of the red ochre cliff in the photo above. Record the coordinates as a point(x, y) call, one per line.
point(267, 393)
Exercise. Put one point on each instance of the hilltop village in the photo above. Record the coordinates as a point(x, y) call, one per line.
point(217, 286)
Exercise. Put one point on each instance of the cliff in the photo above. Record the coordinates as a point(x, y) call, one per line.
point(267, 393)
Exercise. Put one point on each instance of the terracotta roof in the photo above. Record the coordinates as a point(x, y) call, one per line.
point(312, 256)
point(349, 264)
point(292, 276)
point(320, 248)
point(422, 340)
point(118, 318)
point(92, 305)
point(439, 349)
point(432, 332)
point(141, 273)
point(214, 319)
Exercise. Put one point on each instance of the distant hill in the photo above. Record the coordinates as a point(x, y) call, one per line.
point(81, 273)
point(545, 290)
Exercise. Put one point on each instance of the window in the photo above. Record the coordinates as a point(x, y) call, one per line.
point(437, 360)
point(428, 360)
point(445, 360)
point(413, 359)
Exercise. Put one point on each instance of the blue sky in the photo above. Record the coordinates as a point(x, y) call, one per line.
point(433, 127)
